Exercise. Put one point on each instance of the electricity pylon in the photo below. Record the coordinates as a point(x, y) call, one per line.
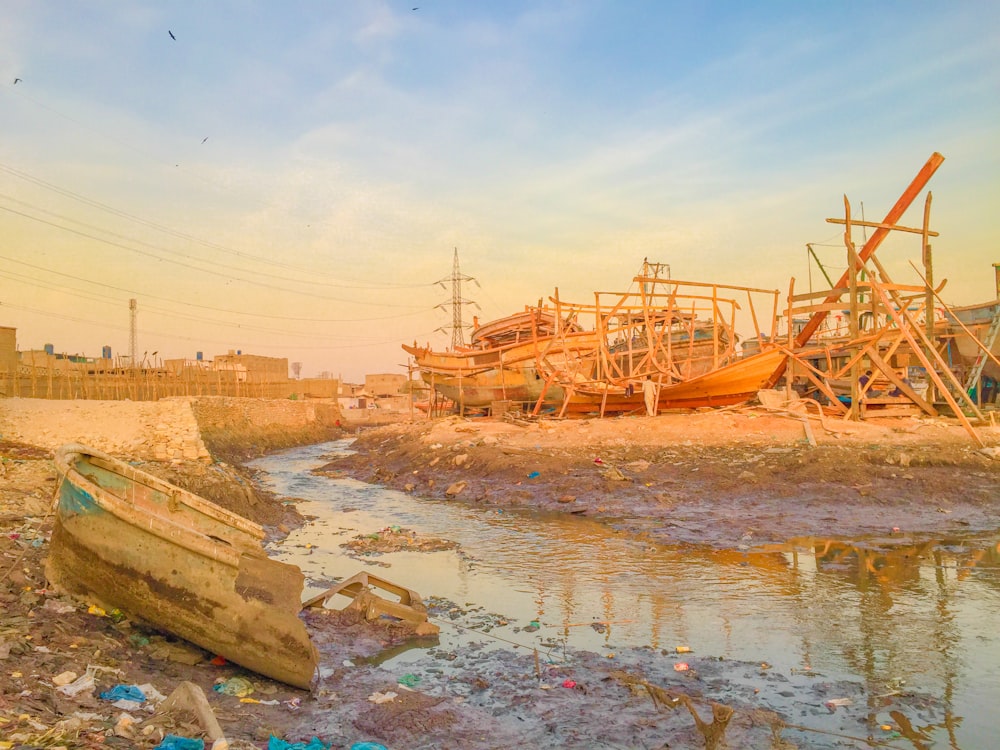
point(132, 338)
point(457, 302)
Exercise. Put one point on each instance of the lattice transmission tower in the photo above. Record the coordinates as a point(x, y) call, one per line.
point(132, 342)
point(457, 302)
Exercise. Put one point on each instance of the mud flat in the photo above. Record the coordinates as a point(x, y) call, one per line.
point(702, 478)
point(699, 478)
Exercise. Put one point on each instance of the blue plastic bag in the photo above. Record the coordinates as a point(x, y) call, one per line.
point(174, 742)
point(314, 744)
point(124, 693)
point(368, 746)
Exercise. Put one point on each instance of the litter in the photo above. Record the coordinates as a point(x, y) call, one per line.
point(65, 678)
point(189, 698)
point(681, 666)
point(240, 687)
point(314, 744)
point(409, 680)
point(386, 697)
point(124, 693)
point(174, 742)
point(833, 703)
point(569, 684)
point(367, 746)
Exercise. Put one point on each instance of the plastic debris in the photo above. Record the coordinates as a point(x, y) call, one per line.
point(125, 726)
point(682, 666)
point(314, 744)
point(569, 683)
point(834, 703)
point(240, 687)
point(65, 678)
point(409, 680)
point(124, 693)
point(683, 649)
point(175, 742)
point(85, 682)
point(368, 746)
point(386, 697)
point(534, 475)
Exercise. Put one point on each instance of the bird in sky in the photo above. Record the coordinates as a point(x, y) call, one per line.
point(204, 139)
point(171, 35)
point(17, 81)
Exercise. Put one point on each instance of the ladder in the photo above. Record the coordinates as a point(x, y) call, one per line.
point(991, 337)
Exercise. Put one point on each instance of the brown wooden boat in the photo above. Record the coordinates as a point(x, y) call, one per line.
point(126, 539)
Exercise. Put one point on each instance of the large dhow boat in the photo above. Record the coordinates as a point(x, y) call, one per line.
point(126, 539)
point(591, 358)
point(679, 334)
point(501, 363)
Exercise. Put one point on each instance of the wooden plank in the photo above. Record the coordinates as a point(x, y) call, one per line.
point(882, 225)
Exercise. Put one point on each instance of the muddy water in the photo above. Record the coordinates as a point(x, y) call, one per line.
point(918, 614)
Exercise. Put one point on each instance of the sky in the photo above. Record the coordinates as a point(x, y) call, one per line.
point(293, 179)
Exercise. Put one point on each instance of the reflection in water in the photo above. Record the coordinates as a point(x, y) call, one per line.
point(889, 612)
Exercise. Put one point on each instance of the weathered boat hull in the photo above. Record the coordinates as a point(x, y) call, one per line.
point(726, 386)
point(484, 388)
point(126, 539)
point(964, 350)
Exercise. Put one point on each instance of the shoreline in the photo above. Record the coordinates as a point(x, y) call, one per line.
point(703, 479)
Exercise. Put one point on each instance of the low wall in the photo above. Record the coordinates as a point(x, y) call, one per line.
point(172, 428)
point(235, 429)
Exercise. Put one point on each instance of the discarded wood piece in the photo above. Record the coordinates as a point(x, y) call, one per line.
point(189, 698)
point(775, 401)
point(713, 732)
point(359, 588)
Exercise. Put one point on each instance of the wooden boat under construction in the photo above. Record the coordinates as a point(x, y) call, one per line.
point(590, 357)
point(126, 539)
point(501, 364)
point(732, 384)
point(680, 334)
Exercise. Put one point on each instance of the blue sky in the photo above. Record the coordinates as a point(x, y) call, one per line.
point(291, 179)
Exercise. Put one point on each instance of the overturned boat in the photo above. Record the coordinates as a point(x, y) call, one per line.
point(126, 539)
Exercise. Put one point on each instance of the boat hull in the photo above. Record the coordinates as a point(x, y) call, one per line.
point(726, 386)
point(484, 388)
point(128, 540)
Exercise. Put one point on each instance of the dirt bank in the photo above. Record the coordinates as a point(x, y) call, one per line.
point(706, 478)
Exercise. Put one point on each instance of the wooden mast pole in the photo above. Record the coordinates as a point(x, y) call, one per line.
point(929, 282)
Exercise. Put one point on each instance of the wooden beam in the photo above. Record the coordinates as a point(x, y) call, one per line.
point(878, 236)
point(894, 227)
point(901, 384)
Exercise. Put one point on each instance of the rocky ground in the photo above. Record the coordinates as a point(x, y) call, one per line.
point(705, 478)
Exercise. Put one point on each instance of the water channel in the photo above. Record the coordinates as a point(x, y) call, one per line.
point(919, 612)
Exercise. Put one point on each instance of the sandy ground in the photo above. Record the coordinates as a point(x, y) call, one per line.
point(707, 478)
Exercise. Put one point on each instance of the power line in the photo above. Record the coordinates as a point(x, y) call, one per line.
point(7, 273)
point(209, 271)
point(242, 255)
point(185, 236)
